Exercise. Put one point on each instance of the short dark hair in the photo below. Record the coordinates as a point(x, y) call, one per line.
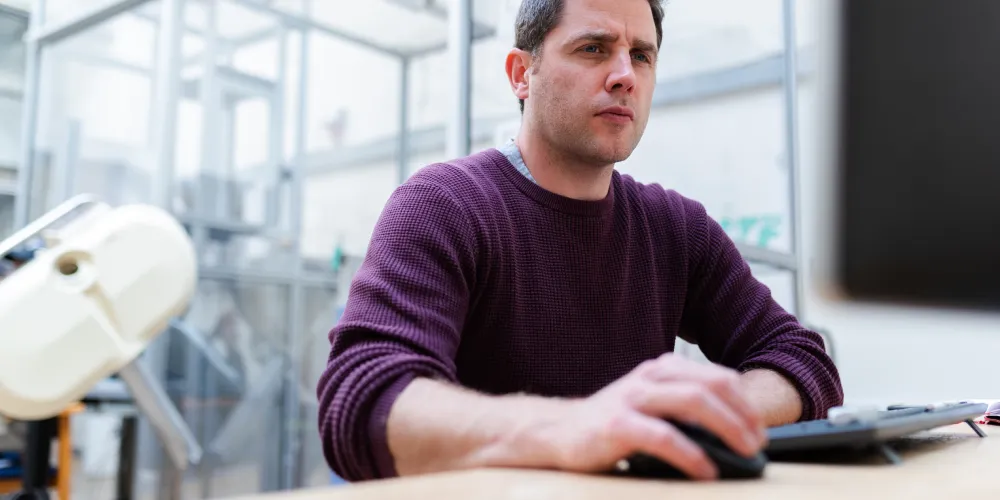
point(536, 18)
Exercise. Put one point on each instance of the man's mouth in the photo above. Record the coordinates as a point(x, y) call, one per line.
point(618, 114)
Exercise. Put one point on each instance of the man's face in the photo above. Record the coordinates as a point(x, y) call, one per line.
point(591, 90)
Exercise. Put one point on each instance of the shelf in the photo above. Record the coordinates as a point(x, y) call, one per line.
point(236, 84)
point(257, 276)
point(110, 390)
point(219, 228)
point(758, 255)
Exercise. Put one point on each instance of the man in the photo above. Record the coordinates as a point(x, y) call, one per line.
point(518, 308)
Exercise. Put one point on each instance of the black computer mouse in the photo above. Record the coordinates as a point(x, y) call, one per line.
point(731, 465)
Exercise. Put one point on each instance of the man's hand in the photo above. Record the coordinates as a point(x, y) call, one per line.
point(629, 416)
point(435, 427)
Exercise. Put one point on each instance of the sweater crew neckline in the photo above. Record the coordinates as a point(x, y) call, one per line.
point(572, 206)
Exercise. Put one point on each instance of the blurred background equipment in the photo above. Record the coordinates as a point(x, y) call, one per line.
point(101, 288)
point(84, 306)
point(915, 107)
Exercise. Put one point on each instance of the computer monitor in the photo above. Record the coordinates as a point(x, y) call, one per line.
point(912, 125)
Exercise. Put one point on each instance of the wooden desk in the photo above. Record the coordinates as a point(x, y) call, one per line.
point(941, 464)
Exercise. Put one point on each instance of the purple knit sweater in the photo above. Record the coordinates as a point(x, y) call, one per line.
point(478, 276)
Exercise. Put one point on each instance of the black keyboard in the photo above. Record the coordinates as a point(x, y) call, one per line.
point(865, 428)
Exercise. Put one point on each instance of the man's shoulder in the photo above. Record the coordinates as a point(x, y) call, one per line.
point(677, 219)
point(446, 200)
point(465, 179)
point(657, 201)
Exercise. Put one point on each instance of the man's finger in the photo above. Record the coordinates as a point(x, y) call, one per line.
point(725, 383)
point(656, 438)
point(691, 403)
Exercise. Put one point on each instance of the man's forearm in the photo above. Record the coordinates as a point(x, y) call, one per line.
point(434, 426)
point(778, 401)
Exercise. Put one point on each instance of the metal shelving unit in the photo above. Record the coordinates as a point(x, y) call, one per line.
point(215, 204)
point(211, 205)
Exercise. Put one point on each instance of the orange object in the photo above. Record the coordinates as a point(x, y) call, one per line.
point(62, 481)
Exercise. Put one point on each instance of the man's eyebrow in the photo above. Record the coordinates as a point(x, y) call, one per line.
point(602, 36)
point(593, 36)
point(645, 46)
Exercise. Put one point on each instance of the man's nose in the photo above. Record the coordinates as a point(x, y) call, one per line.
point(622, 76)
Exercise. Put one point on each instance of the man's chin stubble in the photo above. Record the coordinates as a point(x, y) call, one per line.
point(617, 153)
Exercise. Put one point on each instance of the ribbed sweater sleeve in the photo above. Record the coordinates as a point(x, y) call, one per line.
point(403, 319)
point(736, 322)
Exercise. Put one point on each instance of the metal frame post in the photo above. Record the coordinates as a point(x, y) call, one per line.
point(29, 115)
point(167, 88)
point(211, 108)
point(303, 22)
point(210, 94)
point(791, 89)
point(292, 402)
point(163, 136)
point(460, 52)
point(403, 165)
point(66, 167)
point(96, 16)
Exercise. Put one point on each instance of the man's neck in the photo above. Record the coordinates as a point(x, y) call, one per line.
point(560, 174)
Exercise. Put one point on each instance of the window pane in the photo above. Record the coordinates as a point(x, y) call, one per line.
point(705, 35)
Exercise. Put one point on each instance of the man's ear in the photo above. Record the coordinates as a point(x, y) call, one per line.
point(518, 71)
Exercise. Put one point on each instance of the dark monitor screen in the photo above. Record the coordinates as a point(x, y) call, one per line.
point(918, 201)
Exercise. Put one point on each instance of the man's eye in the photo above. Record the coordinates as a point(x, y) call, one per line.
point(641, 57)
point(591, 48)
